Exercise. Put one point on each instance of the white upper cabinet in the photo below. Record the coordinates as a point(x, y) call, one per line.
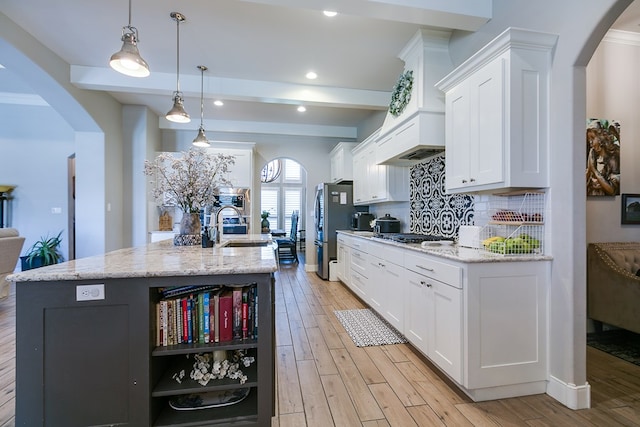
point(342, 162)
point(241, 172)
point(374, 183)
point(496, 124)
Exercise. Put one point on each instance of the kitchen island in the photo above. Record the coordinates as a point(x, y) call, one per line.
point(87, 351)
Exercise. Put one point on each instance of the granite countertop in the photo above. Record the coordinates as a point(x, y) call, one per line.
point(450, 251)
point(161, 259)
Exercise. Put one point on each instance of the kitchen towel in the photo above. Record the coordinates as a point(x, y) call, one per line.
point(366, 328)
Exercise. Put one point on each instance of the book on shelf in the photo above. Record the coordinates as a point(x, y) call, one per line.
point(212, 314)
point(237, 313)
point(226, 317)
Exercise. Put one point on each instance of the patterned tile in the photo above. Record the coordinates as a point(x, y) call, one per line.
point(432, 211)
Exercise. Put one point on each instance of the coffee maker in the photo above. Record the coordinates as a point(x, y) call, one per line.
point(361, 221)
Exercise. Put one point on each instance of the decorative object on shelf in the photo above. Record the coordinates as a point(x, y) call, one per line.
point(630, 209)
point(401, 93)
point(177, 113)
point(265, 222)
point(128, 60)
point(603, 157)
point(218, 365)
point(213, 399)
point(190, 182)
point(165, 222)
point(201, 139)
point(45, 251)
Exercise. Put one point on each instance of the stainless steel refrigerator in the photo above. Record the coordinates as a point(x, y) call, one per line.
point(333, 211)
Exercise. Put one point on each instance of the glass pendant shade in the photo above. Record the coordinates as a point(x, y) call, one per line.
point(201, 140)
point(177, 113)
point(128, 60)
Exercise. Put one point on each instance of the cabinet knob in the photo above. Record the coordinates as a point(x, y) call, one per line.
point(429, 285)
point(464, 181)
point(473, 180)
point(422, 282)
point(381, 264)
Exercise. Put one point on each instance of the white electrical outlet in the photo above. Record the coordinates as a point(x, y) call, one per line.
point(90, 292)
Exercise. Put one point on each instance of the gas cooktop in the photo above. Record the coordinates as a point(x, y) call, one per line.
point(411, 237)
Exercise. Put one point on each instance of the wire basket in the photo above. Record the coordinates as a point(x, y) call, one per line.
point(515, 224)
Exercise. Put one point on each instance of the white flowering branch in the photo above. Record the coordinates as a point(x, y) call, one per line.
point(190, 181)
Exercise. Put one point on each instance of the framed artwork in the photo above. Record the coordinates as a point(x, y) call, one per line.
point(630, 209)
point(603, 157)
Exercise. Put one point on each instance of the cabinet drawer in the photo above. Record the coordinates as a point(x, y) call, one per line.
point(359, 262)
point(387, 252)
point(426, 266)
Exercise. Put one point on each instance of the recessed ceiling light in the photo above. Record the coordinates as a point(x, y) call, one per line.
point(311, 75)
point(218, 103)
point(330, 13)
point(301, 109)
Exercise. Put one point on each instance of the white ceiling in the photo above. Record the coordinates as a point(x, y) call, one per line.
point(257, 51)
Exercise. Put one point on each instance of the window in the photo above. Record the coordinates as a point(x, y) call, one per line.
point(284, 194)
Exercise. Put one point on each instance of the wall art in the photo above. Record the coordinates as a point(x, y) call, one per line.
point(603, 157)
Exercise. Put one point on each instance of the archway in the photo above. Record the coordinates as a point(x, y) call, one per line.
point(283, 183)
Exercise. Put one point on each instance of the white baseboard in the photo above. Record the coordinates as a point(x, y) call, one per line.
point(311, 267)
point(570, 395)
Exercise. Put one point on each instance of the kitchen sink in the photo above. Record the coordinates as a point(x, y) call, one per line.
point(240, 244)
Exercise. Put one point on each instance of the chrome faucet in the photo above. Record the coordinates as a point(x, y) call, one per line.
point(218, 225)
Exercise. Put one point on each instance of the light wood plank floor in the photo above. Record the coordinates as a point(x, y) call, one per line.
point(323, 379)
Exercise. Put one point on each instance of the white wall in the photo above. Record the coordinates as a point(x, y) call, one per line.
point(612, 93)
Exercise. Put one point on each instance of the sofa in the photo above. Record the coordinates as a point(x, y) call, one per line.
point(613, 284)
point(10, 246)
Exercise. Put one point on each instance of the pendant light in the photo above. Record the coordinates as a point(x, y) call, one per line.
point(177, 113)
point(201, 140)
point(128, 60)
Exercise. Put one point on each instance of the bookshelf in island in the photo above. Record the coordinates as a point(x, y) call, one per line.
point(124, 338)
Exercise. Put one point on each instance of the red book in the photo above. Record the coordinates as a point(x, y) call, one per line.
point(185, 321)
point(226, 318)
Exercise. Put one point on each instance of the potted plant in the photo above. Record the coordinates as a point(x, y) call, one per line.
point(265, 222)
point(45, 251)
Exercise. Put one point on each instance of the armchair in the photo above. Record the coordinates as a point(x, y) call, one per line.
point(10, 246)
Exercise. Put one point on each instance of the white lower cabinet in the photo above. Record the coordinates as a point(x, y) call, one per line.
point(344, 260)
point(388, 283)
point(433, 312)
point(484, 324)
point(506, 329)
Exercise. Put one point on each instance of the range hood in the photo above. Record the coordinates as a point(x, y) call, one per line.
point(417, 132)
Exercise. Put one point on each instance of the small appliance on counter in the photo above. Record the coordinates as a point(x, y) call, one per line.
point(387, 224)
point(361, 221)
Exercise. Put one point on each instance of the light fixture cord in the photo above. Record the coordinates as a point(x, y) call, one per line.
point(178, 55)
point(201, 96)
point(129, 13)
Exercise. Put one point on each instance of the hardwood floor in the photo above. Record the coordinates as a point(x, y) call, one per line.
point(323, 379)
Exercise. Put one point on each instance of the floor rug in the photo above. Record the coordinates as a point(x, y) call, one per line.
point(366, 328)
point(618, 342)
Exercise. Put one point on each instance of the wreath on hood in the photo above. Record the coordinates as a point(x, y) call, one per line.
point(401, 93)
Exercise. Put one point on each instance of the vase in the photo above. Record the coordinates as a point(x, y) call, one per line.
point(190, 230)
point(265, 225)
point(190, 223)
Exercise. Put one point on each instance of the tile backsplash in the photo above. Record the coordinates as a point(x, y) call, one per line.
point(432, 211)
